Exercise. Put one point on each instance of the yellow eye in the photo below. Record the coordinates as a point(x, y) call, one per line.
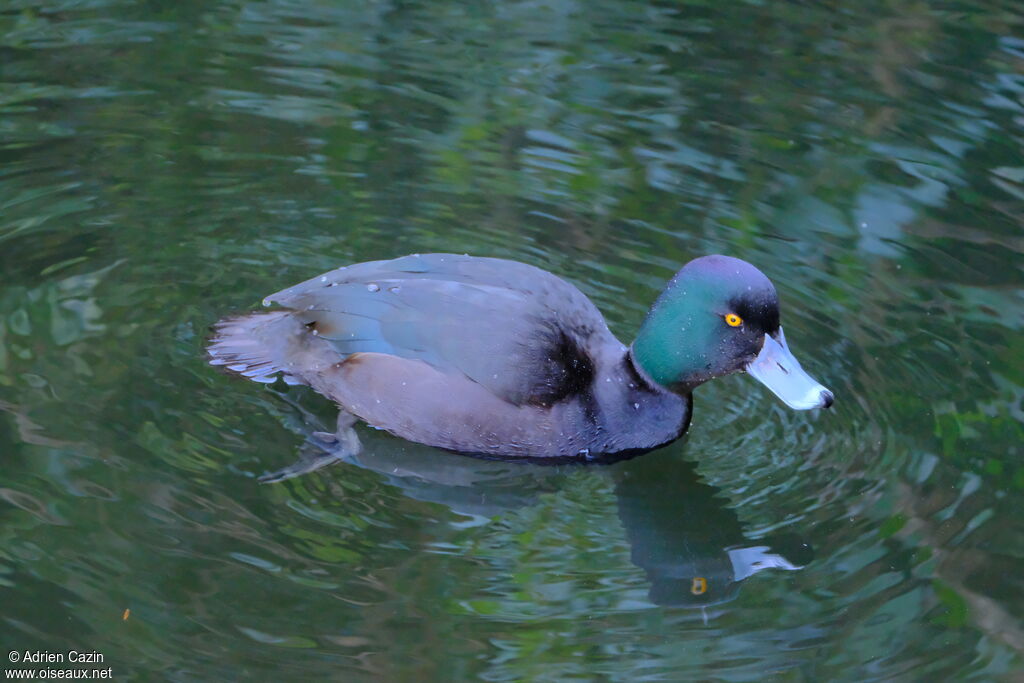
point(733, 320)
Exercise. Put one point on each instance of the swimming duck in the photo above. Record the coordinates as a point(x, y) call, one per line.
point(497, 358)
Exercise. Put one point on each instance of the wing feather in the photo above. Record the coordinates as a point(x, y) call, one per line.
point(519, 331)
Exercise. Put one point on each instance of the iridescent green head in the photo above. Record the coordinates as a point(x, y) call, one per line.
point(717, 316)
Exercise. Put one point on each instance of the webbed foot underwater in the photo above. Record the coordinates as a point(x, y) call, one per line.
point(498, 358)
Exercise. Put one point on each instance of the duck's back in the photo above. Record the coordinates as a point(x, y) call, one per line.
point(472, 354)
point(517, 330)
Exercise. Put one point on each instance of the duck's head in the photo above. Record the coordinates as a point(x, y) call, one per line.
point(717, 316)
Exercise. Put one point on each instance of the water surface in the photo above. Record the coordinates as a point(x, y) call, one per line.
point(164, 164)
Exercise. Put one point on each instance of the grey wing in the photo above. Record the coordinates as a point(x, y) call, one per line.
point(519, 331)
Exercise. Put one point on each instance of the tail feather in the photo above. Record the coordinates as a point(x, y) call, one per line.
point(258, 346)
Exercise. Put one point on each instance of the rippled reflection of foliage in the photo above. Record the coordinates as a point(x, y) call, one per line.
point(164, 164)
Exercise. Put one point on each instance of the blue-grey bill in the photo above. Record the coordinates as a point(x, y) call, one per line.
point(776, 368)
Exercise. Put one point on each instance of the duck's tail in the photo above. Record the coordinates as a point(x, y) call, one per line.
point(259, 346)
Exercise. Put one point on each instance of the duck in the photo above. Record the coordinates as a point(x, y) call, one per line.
point(500, 359)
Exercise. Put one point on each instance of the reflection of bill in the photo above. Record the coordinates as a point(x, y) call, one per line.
point(681, 532)
point(690, 545)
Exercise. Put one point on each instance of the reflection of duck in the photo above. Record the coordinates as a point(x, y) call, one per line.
point(681, 532)
point(689, 543)
point(470, 486)
point(495, 357)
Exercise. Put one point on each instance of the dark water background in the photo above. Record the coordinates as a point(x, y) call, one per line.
point(165, 163)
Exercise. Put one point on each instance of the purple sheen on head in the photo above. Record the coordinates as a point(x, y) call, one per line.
point(728, 271)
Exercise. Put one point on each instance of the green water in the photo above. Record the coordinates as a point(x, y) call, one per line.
point(163, 164)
